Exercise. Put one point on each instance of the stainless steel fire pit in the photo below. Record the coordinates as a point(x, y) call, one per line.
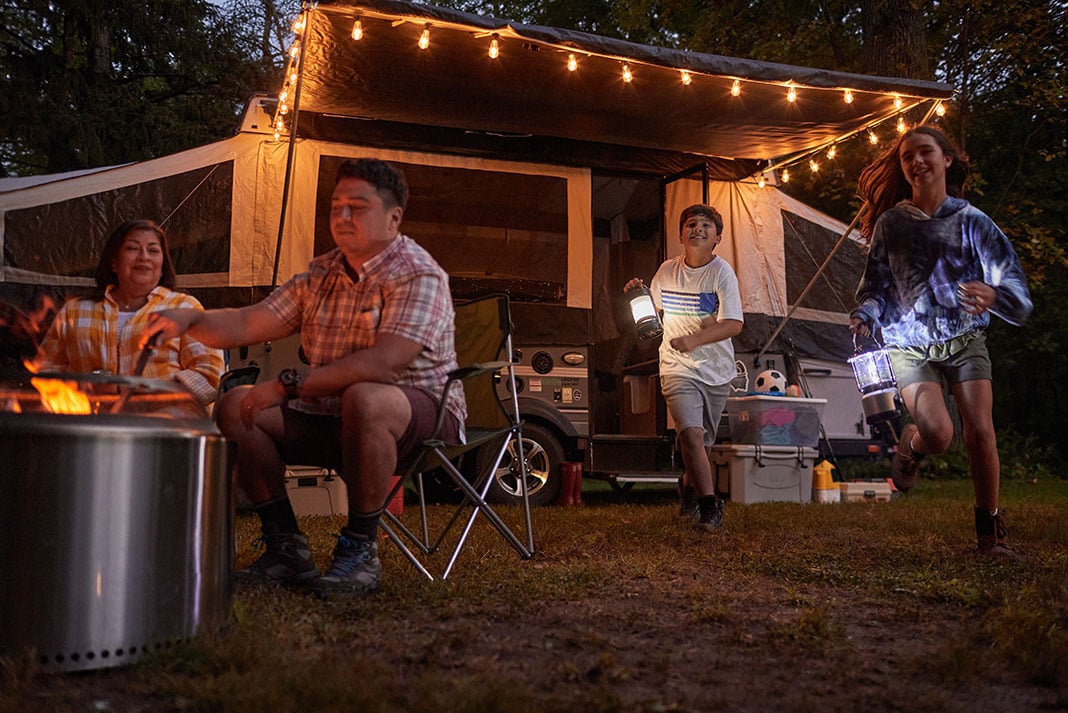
point(115, 529)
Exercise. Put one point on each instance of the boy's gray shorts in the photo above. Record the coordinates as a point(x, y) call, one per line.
point(694, 404)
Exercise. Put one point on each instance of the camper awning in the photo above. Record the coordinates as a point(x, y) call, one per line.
point(529, 95)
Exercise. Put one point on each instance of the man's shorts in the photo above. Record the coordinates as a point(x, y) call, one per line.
point(315, 439)
point(694, 404)
point(962, 359)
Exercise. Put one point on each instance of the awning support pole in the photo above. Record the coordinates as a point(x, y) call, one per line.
point(808, 287)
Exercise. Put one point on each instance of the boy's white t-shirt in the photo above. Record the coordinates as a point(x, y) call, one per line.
point(686, 295)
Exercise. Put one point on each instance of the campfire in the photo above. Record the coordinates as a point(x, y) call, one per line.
point(58, 396)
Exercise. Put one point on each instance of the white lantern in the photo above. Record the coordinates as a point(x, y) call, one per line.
point(643, 311)
point(875, 378)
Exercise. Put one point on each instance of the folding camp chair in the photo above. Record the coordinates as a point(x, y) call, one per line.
point(483, 330)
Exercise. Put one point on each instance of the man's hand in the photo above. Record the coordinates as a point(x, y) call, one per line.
point(632, 283)
point(261, 396)
point(859, 327)
point(168, 324)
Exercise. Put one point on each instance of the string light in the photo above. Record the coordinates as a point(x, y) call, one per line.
point(832, 152)
point(940, 109)
point(872, 137)
point(736, 88)
point(572, 62)
point(791, 94)
point(901, 128)
point(848, 96)
point(298, 25)
point(786, 175)
point(627, 76)
point(494, 48)
point(293, 77)
point(424, 38)
point(761, 182)
point(294, 50)
point(687, 78)
point(898, 102)
point(357, 30)
point(814, 166)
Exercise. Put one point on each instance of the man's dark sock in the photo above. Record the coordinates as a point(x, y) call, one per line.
point(278, 512)
point(363, 525)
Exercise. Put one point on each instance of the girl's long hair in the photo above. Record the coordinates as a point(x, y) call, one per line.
point(882, 184)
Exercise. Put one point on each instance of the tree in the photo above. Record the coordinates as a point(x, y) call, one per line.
point(96, 82)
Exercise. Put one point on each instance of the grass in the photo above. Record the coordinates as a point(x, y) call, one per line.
point(813, 607)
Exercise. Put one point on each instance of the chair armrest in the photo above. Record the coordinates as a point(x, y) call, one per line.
point(460, 374)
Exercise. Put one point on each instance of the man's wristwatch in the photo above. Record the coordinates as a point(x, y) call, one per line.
point(290, 381)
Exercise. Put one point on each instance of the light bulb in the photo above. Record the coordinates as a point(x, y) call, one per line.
point(736, 88)
point(814, 166)
point(872, 137)
point(897, 102)
point(283, 108)
point(627, 76)
point(785, 175)
point(791, 94)
point(832, 152)
point(293, 77)
point(848, 96)
point(901, 128)
point(298, 25)
point(357, 30)
point(761, 182)
point(494, 49)
point(686, 77)
point(424, 38)
point(940, 109)
point(572, 62)
point(294, 50)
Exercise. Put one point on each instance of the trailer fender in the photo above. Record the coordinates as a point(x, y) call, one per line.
point(535, 409)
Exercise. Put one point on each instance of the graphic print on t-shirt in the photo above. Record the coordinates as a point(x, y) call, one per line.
point(692, 304)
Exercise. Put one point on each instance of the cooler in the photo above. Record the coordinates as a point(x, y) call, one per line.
point(754, 474)
point(316, 491)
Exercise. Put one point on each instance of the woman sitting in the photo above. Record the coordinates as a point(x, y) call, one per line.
point(134, 277)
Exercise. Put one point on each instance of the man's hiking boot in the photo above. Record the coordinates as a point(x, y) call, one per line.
point(991, 531)
point(287, 560)
point(906, 464)
point(354, 572)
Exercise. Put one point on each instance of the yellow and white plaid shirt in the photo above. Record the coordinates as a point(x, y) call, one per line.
point(84, 337)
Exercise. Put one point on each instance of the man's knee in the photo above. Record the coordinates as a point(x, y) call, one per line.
point(371, 408)
point(228, 411)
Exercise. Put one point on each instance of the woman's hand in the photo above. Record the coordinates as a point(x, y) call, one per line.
point(632, 283)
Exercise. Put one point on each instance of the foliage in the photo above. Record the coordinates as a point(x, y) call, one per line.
point(90, 83)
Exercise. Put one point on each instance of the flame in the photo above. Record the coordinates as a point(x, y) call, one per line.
point(60, 396)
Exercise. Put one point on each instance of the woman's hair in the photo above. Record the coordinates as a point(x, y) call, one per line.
point(105, 272)
point(882, 184)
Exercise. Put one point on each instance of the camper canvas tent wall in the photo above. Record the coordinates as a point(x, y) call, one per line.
point(551, 184)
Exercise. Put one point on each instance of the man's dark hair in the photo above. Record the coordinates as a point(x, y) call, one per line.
point(705, 211)
point(386, 178)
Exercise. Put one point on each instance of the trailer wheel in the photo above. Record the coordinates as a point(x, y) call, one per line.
point(543, 454)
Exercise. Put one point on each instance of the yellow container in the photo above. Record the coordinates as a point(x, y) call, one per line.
point(824, 489)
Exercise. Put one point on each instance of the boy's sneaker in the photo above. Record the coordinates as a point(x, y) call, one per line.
point(287, 560)
point(688, 508)
point(906, 464)
point(355, 571)
point(710, 514)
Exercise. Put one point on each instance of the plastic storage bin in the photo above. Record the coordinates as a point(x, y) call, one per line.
point(775, 420)
point(764, 473)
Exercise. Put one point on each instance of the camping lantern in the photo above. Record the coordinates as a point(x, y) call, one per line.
point(876, 381)
point(643, 311)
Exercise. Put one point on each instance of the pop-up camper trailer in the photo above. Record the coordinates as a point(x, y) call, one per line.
point(553, 172)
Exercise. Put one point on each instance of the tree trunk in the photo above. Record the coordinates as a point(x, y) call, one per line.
point(895, 40)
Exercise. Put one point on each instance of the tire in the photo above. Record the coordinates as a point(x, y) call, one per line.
point(543, 454)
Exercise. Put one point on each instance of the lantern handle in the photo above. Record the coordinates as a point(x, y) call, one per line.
point(856, 346)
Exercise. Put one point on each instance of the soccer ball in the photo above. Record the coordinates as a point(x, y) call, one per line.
point(771, 381)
